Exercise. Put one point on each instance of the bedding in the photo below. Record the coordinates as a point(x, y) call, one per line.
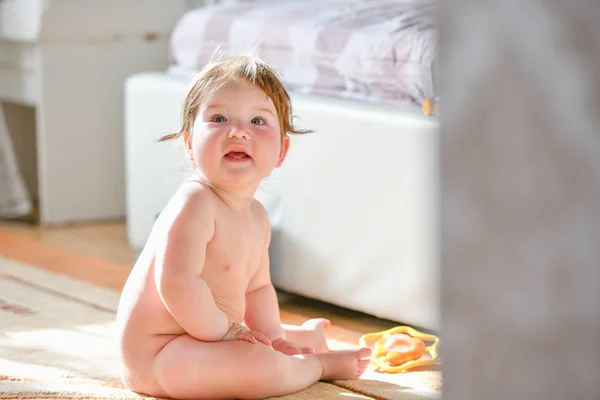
point(376, 50)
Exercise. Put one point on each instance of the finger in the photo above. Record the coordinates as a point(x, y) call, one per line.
point(307, 350)
point(290, 350)
point(247, 337)
point(262, 338)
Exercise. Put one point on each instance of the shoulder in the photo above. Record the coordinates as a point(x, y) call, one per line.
point(259, 210)
point(194, 197)
point(261, 215)
point(192, 206)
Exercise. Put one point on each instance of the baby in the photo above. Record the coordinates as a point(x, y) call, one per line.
point(198, 317)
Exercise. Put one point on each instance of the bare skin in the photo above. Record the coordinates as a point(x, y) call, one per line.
point(159, 357)
point(198, 316)
point(310, 335)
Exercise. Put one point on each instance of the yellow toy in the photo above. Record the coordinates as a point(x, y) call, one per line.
point(401, 349)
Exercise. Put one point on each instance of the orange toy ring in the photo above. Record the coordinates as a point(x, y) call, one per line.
point(401, 349)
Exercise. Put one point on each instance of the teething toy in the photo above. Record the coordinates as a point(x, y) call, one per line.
point(400, 349)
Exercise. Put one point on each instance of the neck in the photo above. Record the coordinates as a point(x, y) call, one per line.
point(235, 199)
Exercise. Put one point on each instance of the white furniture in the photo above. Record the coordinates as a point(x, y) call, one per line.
point(353, 209)
point(69, 59)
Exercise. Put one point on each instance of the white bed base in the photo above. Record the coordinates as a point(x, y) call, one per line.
point(353, 209)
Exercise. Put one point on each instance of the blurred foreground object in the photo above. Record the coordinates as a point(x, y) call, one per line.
point(520, 202)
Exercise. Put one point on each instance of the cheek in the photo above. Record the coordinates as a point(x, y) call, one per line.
point(272, 148)
point(205, 146)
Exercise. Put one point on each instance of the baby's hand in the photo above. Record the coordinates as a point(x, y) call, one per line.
point(290, 348)
point(240, 332)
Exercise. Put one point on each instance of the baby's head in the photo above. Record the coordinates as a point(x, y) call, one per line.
point(240, 68)
point(236, 115)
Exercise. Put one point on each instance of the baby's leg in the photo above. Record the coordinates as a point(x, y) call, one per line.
point(309, 334)
point(189, 369)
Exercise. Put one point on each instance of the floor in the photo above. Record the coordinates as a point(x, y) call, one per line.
point(107, 241)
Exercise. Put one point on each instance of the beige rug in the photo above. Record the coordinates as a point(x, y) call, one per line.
point(57, 341)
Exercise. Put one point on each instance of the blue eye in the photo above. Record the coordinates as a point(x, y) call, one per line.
point(219, 118)
point(257, 121)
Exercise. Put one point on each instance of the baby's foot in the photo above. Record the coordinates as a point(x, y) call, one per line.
point(344, 364)
point(315, 329)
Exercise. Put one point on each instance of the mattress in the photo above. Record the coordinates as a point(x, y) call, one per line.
point(376, 50)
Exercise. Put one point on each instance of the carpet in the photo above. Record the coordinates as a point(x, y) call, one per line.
point(57, 338)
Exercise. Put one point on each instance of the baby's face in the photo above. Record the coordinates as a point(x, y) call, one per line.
point(236, 137)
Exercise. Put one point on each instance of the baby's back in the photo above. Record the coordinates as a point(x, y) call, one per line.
point(144, 324)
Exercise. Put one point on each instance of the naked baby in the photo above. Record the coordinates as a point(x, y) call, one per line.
point(198, 317)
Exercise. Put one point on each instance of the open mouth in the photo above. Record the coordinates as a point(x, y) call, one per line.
point(237, 156)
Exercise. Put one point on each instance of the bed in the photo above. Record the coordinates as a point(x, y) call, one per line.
point(382, 51)
point(354, 207)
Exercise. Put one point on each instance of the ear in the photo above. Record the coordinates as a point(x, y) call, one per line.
point(285, 146)
point(187, 141)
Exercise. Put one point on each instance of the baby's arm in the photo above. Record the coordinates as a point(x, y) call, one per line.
point(262, 308)
point(180, 256)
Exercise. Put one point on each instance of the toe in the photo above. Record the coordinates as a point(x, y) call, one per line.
point(364, 352)
point(325, 323)
point(317, 323)
point(362, 367)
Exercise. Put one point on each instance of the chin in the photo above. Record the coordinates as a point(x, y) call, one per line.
point(238, 179)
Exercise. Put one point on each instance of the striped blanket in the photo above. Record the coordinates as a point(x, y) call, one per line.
point(376, 50)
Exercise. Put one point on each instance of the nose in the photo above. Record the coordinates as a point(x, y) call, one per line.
point(238, 132)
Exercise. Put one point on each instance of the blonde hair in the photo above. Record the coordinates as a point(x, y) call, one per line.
point(220, 73)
